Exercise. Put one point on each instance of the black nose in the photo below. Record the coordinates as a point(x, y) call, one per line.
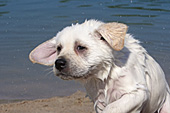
point(60, 64)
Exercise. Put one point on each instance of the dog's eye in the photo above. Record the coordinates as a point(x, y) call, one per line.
point(101, 38)
point(59, 48)
point(80, 48)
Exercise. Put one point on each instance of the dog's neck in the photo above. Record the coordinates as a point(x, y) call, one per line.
point(100, 86)
point(97, 85)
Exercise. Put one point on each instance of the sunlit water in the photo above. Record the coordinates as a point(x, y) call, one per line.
point(26, 23)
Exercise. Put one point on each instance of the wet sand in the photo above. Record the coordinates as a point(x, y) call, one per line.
point(76, 103)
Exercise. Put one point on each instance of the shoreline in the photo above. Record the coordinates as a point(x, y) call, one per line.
point(5, 101)
point(75, 103)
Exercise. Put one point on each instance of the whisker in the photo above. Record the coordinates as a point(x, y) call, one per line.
point(48, 69)
point(48, 72)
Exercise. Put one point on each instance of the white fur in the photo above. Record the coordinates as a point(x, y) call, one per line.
point(135, 85)
point(125, 81)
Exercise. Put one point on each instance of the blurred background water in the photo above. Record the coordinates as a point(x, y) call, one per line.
point(26, 23)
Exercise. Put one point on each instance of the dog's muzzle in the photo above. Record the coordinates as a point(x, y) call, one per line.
point(67, 72)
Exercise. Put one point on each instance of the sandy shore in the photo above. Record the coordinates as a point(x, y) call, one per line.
point(76, 103)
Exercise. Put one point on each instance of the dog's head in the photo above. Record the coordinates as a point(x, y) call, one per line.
point(81, 50)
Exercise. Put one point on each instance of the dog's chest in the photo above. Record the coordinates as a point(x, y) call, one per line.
point(104, 92)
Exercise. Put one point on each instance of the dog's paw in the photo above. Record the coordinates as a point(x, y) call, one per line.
point(111, 109)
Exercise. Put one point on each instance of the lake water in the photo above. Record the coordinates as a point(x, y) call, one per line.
point(26, 23)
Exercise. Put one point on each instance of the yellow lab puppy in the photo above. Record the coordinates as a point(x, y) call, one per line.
point(117, 72)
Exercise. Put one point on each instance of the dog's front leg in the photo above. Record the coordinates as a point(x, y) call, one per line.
point(128, 103)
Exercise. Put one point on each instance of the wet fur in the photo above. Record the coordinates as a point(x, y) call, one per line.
point(125, 80)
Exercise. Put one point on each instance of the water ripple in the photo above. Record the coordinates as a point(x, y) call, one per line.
point(64, 1)
point(85, 6)
point(5, 12)
point(134, 15)
point(139, 8)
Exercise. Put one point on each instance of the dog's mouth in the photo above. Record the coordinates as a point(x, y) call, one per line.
point(71, 77)
point(65, 77)
point(81, 75)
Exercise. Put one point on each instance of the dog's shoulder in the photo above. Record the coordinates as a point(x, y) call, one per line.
point(133, 56)
point(133, 45)
point(131, 53)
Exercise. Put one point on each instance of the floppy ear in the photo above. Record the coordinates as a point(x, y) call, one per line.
point(114, 33)
point(45, 53)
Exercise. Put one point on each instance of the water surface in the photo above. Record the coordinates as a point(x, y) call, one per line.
point(26, 23)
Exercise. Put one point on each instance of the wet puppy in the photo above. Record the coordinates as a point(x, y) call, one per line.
point(117, 72)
